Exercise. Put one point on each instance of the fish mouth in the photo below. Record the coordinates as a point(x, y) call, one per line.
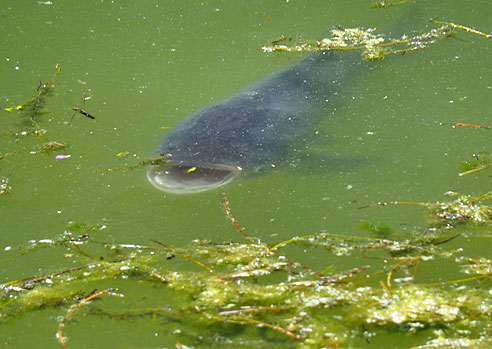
point(186, 179)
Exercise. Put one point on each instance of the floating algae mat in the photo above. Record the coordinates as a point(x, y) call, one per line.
point(255, 294)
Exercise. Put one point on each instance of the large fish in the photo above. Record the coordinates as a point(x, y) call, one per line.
point(254, 128)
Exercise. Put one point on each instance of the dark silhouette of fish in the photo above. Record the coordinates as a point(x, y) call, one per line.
point(254, 128)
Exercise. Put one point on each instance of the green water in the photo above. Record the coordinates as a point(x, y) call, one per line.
point(149, 64)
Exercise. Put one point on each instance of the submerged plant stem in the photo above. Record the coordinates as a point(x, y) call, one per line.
point(72, 311)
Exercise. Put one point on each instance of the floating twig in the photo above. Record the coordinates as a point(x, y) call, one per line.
point(251, 309)
point(385, 203)
point(386, 290)
point(343, 275)
point(172, 249)
point(234, 222)
point(240, 320)
point(25, 282)
point(83, 112)
point(459, 281)
point(469, 125)
point(481, 168)
point(480, 161)
point(384, 4)
point(72, 311)
point(459, 26)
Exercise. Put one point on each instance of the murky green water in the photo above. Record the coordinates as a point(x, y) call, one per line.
point(149, 64)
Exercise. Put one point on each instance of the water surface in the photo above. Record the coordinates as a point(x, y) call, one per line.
point(148, 65)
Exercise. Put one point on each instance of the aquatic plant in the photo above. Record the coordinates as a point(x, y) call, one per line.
point(4, 185)
point(32, 110)
point(481, 160)
point(30, 116)
point(373, 46)
point(384, 4)
point(234, 288)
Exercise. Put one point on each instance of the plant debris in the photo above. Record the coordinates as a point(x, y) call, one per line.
point(374, 46)
point(257, 286)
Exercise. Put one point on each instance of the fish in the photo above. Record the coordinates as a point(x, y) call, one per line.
point(256, 128)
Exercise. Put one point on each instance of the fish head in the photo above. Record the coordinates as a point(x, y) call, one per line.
point(180, 178)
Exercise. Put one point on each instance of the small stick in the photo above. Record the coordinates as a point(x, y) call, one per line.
point(233, 220)
point(470, 125)
point(185, 256)
point(43, 277)
point(414, 278)
point(384, 203)
point(481, 168)
point(84, 252)
point(451, 282)
point(348, 273)
point(239, 320)
point(272, 326)
point(459, 26)
point(72, 310)
point(83, 112)
point(383, 4)
point(385, 288)
point(250, 309)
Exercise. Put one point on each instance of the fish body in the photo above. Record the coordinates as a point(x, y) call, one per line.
point(254, 128)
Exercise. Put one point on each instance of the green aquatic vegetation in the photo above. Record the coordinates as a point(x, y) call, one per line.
point(480, 266)
point(80, 229)
point(240, 290)
point(4, 185)
point(384, 4)
point(30, 115)
point(155, 160)
point(32, 110)
point(464, 208)
point(373, 46)
point(43, 148)
point(380, 230)
point(19, 134)
point(462, 27)
point(480, 161)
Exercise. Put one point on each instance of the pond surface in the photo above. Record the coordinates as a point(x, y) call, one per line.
point(148, 65)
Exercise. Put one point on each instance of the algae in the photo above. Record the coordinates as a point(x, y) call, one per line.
point(30, 116)
point(374, 46)
point(231, 285)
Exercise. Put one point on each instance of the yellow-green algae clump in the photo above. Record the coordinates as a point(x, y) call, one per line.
point(253, 285)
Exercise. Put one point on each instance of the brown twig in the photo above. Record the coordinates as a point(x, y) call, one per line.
point(469, 125)
point(386, 290)
point(172, 249)
point(72, 310)
point(240, 320)
point(233, 220)
point(348, 273)
point(385, 203)
point(43, 277)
